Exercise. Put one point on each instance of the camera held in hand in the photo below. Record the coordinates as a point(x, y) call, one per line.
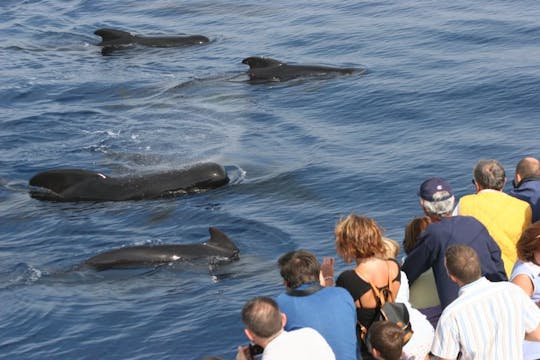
point(255, 350)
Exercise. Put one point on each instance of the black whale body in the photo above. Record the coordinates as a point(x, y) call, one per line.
point(263, 69)
point(218, 249)
point(85, 185)
point(113, 39)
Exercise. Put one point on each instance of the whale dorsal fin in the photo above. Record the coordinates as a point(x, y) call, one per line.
point(219, 240)
point(261, 62)
point(114, 36)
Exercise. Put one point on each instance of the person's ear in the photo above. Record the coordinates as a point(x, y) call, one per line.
point(283, 319)
point(453, 278)
point(249, 335)
point(376, 353)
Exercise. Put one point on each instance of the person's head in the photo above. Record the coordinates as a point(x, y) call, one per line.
point(385, 340)
point(299, 267)
point(358, 237)
point(412, 230)
point(436, 197)
point(489, 174)
point(462, 264)
point(391, 248)
point(527, 167)
point(262, 318)
point(528, 245)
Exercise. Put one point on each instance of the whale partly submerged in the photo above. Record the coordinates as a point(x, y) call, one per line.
point(113, 39)
point(218, 249)
point(263, 69)
point(86, 185)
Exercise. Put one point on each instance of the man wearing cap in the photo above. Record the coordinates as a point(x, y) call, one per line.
point(437, 201)
point(505, 216)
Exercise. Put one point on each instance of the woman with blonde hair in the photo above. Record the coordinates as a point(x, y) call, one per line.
point(359, 239)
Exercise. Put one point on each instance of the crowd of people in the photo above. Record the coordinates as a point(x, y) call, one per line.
point(481, 254)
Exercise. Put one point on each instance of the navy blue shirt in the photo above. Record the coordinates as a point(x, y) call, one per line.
point(330, 311)
point(433, 242)
point(529, 191)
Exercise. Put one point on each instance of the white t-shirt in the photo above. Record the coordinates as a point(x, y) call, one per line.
point(301, 344)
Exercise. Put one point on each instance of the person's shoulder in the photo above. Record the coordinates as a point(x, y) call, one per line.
point(346, 275)
point(308, 331)
point(466, 221)
point(282, 297)
point(336, 291)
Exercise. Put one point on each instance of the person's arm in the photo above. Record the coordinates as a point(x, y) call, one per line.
point(524, 282)
point(419, 259)
point(326, 277)
point(533, 335)
point(496, 260)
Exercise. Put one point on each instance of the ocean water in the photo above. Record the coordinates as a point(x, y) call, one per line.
point(447, 83)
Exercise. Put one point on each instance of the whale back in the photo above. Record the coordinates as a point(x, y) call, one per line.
point(84, 185)
point(219, 248)
point(270, 70)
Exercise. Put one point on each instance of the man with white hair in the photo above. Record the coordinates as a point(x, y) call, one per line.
point(437, 201)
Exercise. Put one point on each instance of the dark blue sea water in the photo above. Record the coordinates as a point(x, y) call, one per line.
point(448, 83)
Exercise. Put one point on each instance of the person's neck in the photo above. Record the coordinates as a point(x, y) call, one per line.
point(264, 342)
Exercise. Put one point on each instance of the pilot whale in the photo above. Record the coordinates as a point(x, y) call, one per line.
point(263, 69)
point(113, 39)
point(86, 185)
point(218, 249)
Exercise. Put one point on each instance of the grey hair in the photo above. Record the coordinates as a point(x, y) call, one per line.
point(489, 174)
point(440, 207)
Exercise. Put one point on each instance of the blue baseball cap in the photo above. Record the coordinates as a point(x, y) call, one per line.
point(432, 186)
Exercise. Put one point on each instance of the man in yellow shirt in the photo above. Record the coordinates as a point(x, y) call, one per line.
point(503, 215)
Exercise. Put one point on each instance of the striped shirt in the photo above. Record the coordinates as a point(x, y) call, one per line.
point(487, 321)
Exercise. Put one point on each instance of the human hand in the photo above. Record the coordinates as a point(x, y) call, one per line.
point(327, 271)
point(243, 353)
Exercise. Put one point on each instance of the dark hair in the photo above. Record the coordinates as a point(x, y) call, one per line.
point(529, 242)
point(489, 174)
point(262, 316)
point(412, 230)
point(387, 338)
point(299, 267)
point(463, 263)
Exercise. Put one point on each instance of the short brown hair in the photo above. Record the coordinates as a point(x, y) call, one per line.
point(358, 237)
point(463, 263)
point(529, 242)
point(387, 338)
point(412, 230)
point(262, 316)
point(299, 267)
